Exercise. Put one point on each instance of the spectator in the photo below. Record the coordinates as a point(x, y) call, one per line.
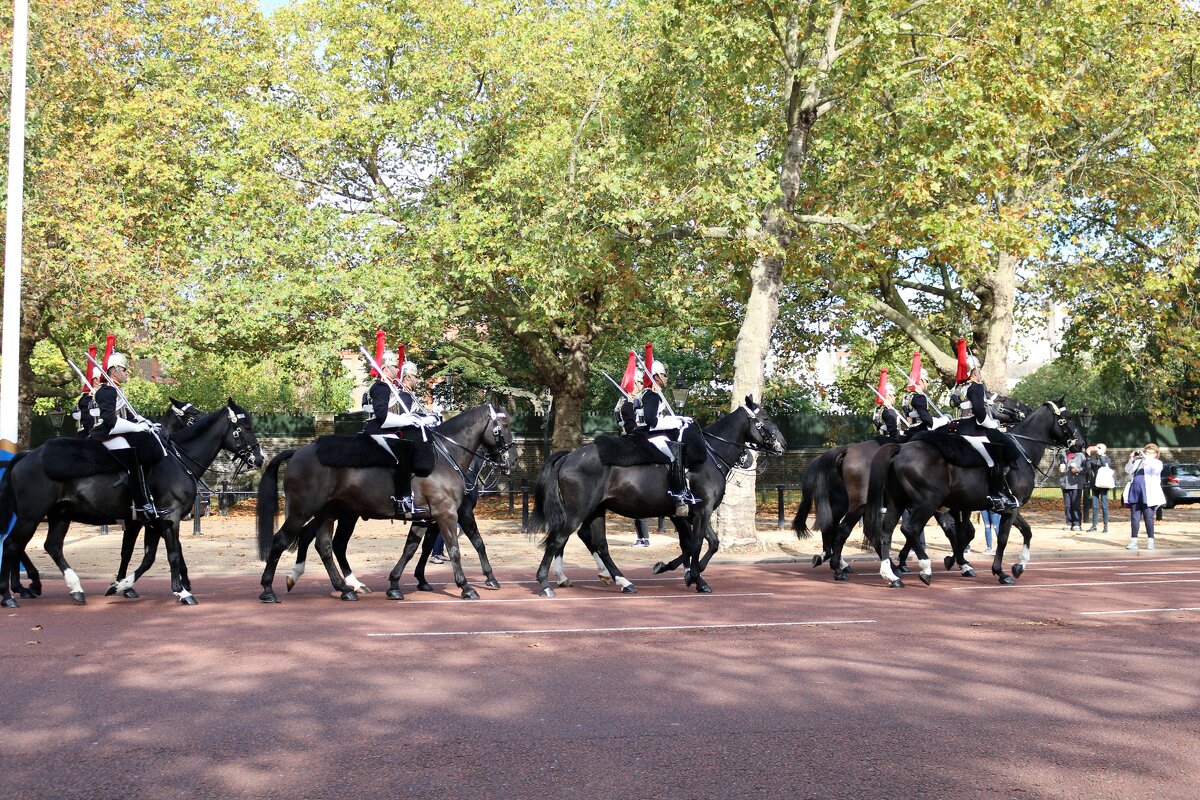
point(1072, 471)
point(643, 533)
point(991, 524)
point(438, 555)
point(1144, 493)
point(1101, 479)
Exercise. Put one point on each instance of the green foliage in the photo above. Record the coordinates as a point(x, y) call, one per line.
point(1105, 389)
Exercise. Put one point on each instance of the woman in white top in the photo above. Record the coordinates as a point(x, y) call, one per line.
point(1144, 493)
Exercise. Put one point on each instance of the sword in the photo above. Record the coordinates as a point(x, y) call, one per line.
point(395, 395)
point(79, 372)
point(614, 383)
point(120, 394)
point(886, 404)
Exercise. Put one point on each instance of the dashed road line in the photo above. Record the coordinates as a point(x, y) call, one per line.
point(632, 629)
point(1062, 585)
point(609, 597)
point(1138, 611)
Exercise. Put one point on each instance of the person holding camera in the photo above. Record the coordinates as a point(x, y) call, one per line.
point(1100, 480)
point(1144, 493)
point(1072, 471)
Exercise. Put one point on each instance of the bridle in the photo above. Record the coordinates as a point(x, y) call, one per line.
point(494, 455)
point(1064, 424)
point(768, 444)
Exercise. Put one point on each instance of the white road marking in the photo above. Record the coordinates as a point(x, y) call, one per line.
point(1060, 585)
point(1165, 572)
point(1139, 611)
point(610, 596)
point(640, 628)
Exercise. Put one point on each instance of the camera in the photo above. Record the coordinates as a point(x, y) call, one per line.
point(1138, 454)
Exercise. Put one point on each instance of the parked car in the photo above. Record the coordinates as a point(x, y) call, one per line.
point(1181, 484)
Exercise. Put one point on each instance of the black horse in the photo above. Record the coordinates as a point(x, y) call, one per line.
point(176, 416)
point(575, 490)
point(422, 531)
point(835, 487)
point(916, 476)
point(32, 495)
point(317, 495)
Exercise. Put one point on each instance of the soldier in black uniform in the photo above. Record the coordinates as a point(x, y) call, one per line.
point(885, 418)
point(665, 429)
point(977, 424)
point(391, 410)
point(916, 405)
point(628, 414)
point(114, 418)
point(86, 413)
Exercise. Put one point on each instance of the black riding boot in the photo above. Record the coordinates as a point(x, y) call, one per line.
point(999, 496)
point(402, 499)
point(677, 478)
point(139, 489)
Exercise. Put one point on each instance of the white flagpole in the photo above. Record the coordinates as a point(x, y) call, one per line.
point(10, 337)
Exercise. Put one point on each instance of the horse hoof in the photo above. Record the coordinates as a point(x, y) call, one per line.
point(268, 596)
point(547, 592)
point(1018, 569)
point(659, 568)
point(902, 569)
point(818, 561)
point(925, 579)
point(565, 583)
point(26, 594)
point(968, 573)
point(896, 584)
point(132, 594)
point(848, 569)
point(109, 592)
point(629, 588)
point(840, 575)
point(349, 594)
point(424, 586)
point(187, 600)
point(469, 593)
point(290, 582)
point(703, 587)
point(394, 594)
point(362, 588)
point(949, 562)
point(9, 602)
point(1007, 580)
point(492, 583)
point(79, 598)
point(605, 579)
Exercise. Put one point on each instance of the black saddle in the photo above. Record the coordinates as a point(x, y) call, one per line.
point(959, 452)
point(360, 451)
point(70, 457)
point(635, 449)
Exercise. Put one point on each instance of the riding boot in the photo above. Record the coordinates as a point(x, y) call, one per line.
point(677, 478)
point(999, 496)
point(403, 504)
point(139, 488)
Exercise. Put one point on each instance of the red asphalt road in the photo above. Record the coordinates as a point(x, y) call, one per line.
point(1080, 681)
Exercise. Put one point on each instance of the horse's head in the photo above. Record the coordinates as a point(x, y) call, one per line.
point(178, 416)
point(762, 434)
point(1008, 411)
point(1064, 430)
point(239, 438)
point(498, 439)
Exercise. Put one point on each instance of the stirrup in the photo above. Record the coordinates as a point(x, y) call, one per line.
point(150, 511)
point(406, 508)
point(1003, 502)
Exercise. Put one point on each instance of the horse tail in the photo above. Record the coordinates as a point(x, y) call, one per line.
point(268, 502)
point(814, 487)
point(877, 493)
point(548, 511)
point(7, 497)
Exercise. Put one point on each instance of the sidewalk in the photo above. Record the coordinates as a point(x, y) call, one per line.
point(227, 546)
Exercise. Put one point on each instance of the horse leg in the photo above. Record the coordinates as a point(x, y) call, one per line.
point(31, 572)
point(170, 536)
point(54, 548)
point(556, 543)
point(291, 528)
point(324, 544)
point(427, 536)
point(585, 535)
point(471, 529)
point(912, 529)
point(1026, 536)
point(597, 542)
point(698, 535)
point(303, 540)
point(341, 540)
point(960, 532)
point(884, 549)
point(448, 524)
point(150, 539)
point(14, 549)
point(410, 547)
point(556, 564)
point(129, 534)
point(1006, 522)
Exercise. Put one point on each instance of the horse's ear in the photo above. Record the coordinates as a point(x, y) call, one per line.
point(231, 403)
point(174, 402)
point(750, 404)
point(1061, 402)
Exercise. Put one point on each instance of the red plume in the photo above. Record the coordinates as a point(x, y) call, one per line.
point(648, 378)
point(110, 343)
point(914, 374)
point(400, 357)
point(380, 347)
point(881, 392)
point(91, 370)
point(963, 371)
point(628, 384)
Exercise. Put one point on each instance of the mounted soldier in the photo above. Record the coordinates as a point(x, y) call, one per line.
point(122, 430)
point(393, 422)
point(86, 412)
point(885, 419)
point(666, 430)
point(916, 402)
point(978, 427)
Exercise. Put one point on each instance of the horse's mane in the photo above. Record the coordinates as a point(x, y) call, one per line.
point(460, 422)
point(199, 427)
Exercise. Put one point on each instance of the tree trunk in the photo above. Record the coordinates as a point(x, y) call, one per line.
point(995, 323)
point(568, 421)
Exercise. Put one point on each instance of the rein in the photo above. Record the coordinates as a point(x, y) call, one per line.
point(486, 457)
